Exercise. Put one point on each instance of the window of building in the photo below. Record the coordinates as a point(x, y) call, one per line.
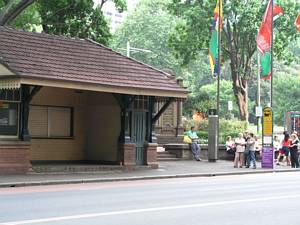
point(9, 115)
point(9, 112)
point(50, 122)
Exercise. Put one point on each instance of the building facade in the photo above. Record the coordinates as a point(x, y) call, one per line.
point(65, 99)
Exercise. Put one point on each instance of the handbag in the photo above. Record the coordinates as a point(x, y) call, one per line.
point(187, 140)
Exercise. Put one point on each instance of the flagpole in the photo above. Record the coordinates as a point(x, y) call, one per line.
point(271, 88)
point(271, 94)
point(258, 91)
point(219, 71)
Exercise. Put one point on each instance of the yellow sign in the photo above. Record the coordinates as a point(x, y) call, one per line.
point(267, 122)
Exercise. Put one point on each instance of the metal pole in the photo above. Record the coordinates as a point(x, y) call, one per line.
point(258, 91)
point(219, 59)
point(271, 94)
point(128, 49)
point(271, 89)
point(219, 73)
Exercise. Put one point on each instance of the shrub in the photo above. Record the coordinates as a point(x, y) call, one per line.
point(227, 128)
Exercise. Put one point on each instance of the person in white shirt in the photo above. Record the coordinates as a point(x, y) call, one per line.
point(230, 145)
point(239, 154)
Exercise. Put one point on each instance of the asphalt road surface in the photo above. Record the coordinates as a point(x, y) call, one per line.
point(262, 199)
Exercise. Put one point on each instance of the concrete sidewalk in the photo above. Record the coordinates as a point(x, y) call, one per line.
point(174, 169)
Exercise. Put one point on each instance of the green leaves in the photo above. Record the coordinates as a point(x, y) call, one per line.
point(286, 96)
point(75, 18)
point(148, 28)
point(120, 5)
point(242, 19)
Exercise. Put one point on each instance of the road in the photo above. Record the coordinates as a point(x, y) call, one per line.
point(259, 199)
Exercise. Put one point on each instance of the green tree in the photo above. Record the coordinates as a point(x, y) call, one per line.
point(242, 19)
point(10, 9)
point(27, 19)
point(148, 27)
point(226, 95)
point(286, 96)
point(76, 18)
point(206, 99)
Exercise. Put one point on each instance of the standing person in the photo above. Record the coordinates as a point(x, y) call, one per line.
point(285, 149)
point(194, 145)
point(294, 151)
point(239, 154)
point(230, 146)
point(246, 152)
point(257, 146)
point(250, 144)
point(278, 148)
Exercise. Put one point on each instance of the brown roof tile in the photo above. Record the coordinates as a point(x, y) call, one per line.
point(60, 58)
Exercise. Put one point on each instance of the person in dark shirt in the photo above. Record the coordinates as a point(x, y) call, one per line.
point(294, 151)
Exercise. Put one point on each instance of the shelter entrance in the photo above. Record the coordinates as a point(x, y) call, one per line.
point(139, 126)
point(139, 134)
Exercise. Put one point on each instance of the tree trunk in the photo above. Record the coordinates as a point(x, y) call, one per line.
point(240, 90)
point(242, 102)
point(11, 10)
point(239, 79)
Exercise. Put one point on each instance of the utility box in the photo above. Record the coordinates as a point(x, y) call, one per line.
point(213, 144)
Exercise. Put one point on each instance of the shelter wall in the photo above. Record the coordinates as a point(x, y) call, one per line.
point(72, 148)
point(103, 127)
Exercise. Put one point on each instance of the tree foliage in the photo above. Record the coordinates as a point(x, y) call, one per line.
point(10, 9)
point(242, 19)
point(206, 99)
point(148, 27)
point(286, 96)
point(75, 18)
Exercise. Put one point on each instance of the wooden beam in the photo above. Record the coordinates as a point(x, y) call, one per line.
point(163, 109)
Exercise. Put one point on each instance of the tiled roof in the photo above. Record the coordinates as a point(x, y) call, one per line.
point(44, 56)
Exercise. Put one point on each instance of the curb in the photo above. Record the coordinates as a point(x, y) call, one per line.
point(135, 178)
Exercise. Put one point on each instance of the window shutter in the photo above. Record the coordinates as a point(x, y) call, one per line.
point(59, 122)
point(38, 121)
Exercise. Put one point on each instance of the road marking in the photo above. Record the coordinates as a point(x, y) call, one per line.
point(155, 209)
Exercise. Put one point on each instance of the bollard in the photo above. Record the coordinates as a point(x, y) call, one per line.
point(213, 138)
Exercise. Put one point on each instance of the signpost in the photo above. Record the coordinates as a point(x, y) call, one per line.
point(267, 135)
point(267, 158)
